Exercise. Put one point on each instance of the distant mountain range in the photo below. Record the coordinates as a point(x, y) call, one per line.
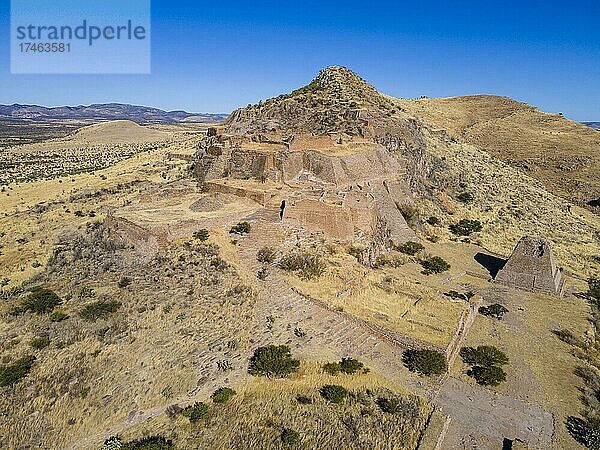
point(102, 112)
point(594, 125)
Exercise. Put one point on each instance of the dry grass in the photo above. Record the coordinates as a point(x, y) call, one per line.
point(257, 415)
point(562, 154)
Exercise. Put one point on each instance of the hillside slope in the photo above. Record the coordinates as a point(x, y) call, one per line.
point(510, 203)
point(562, 154)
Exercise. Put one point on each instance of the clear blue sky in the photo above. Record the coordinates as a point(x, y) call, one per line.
point(214, 57)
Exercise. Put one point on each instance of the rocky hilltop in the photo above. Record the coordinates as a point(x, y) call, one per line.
point(339, 113)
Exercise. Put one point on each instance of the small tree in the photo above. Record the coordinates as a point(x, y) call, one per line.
point(465, 227)
point(435, 264)
point(273, 361)
point(305, 265)
point(488, 376)
point(426, 362)
point(332, 368)
point(41, 301)
point(290, 437)
point(202, 235)
point(222, 395)
point(241, 228)
point(351, 365)
point(14, 372)
point(410, 248)
point(195, 412)
point(496, 311)
point(484, 355)
point(333, 393)
point(96, 310)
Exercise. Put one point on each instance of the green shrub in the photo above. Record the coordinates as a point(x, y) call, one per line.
point(410, 248)
point(202, 235)
point(14, 372)
point(222, 395)
point(241, 228)
point(351, 365)
point(332, 368)
point(496, 311)
point(39, 342)
point(433, 220)
point(303, 264)
point(465, 197)
point(488, 376)
point(465, 227)
point(334, 393)
point(219, 264)
point(273, 361)
point(266, 255)
point(195, 412)
point(58, 316)
point(484, 355)
point(426, 362)
point(149, 443)
point(435, 264)
point(399, 406)
point(86, 292)
point(96, 310)
point(40, 300)
point(124, 282)
point(290, 437)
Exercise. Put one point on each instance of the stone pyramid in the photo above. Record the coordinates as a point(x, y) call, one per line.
point(532, 267)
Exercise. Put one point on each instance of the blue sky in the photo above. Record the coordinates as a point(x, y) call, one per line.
point(211, 57)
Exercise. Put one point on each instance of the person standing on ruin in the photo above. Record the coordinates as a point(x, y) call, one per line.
point(281, 209)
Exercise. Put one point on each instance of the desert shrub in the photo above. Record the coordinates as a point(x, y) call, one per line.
point(273, 361)
point(303, 264)
point(389, 260)
point(435, 264)
point(266, 255)
point(86, 292)
point(488, 376)
point(219, 264)
point(241, 228)
point(149, 443)
point(222, 395)
point(58, 316)
point(290, 437)
point(14, 372)
point(410, 248)
point(484, 355)
point(433, 220)
point(304, 399)
point(333, 393)
point(96, 310)
point(459, 295)
point(202, 235)
point(567, 336)
point(262, 273)
point(40, 300)
point(39, 342)
point(496, 311)
point(195, 412)
point(465, 227)
point(465, 197)
point(332, 368)
point(587, 433)
point(426, 362)
point(124, 282)
point(399, 406)
point(351, 365)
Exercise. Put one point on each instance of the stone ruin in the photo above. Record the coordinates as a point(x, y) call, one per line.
point(347, 191)
point(531, 266)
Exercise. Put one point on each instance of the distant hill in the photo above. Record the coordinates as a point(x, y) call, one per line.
point(562, 154)
point(102, 112)
point(594, 125)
